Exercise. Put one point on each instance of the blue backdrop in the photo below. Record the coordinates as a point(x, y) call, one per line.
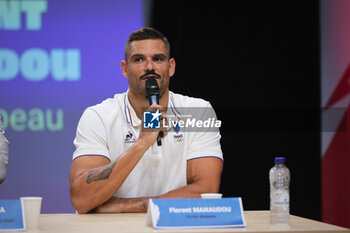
point(56, 58)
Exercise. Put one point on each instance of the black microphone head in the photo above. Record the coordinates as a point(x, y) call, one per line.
point(151, 87)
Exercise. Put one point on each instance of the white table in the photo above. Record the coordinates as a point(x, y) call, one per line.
point(257, 221)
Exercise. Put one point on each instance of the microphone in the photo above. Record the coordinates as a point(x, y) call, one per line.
point(152, 95)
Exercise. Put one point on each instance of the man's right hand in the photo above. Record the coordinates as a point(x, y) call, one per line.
point(148, 137)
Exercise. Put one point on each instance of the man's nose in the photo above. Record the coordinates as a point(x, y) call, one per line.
point(149, 64)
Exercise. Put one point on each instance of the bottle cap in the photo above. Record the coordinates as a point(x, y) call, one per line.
point(280, 159)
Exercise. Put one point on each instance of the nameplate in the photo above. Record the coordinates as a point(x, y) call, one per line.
point(195, 213)
point(11, 215)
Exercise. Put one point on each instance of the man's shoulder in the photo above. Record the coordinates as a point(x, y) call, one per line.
point(180, 100)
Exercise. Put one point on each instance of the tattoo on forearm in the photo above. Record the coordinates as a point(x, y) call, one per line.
point(101, 173)
point(143, 205)
point(191, 180)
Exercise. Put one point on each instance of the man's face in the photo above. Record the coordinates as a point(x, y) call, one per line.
point(148, 59)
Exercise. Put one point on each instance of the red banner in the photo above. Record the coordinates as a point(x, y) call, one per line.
point(335, 66)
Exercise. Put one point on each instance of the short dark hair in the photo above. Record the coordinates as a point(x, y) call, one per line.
point(144, 34)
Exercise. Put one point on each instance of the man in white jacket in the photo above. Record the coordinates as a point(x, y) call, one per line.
point(117, 166)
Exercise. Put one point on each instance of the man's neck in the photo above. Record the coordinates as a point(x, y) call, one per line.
point(140, 103)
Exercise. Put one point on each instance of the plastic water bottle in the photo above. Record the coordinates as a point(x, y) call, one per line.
point(279, 192)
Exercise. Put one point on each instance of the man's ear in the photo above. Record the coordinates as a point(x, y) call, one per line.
point(124, 66)
point(172, 65)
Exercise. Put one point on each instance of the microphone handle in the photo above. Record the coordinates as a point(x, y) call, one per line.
point(159, 138)
point(155, 99)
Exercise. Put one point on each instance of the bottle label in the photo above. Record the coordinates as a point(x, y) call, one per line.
point(281, 200)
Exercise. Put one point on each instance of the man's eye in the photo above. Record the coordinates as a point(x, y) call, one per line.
point(158, 59)
point(137, 59)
